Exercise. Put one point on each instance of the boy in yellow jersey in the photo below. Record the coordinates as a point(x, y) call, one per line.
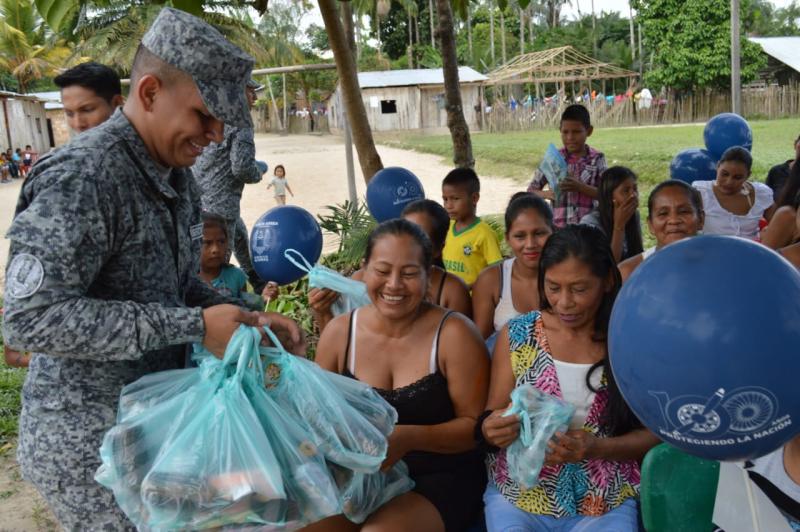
point(471, 244)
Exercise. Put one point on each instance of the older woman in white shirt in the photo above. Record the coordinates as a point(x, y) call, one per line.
point(734, 205)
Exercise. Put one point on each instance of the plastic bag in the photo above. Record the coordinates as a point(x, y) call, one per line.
point(363, 493)
point(221, 467)
point(200, 458)
point(352, 293)
point(346, 420)
point(541, 416)
point(309, 485)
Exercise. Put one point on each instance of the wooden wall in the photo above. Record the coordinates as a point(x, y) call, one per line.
point(417, 108)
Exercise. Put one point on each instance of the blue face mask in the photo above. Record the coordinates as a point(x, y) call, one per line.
point(352, 293)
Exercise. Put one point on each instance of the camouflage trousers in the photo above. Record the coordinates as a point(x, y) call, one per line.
point(59, 442)
point(241, 250)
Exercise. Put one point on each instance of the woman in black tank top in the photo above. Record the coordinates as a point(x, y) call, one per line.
point(432, 366)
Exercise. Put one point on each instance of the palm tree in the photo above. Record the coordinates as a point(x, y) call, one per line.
point(368, 157)
point(104, 30)
point(27, 49)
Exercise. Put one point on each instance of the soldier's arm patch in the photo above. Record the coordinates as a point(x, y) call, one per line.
point(196, 231)
point(24, 276)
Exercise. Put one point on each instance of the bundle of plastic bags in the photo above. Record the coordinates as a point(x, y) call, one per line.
point(260, 437)
point(541, 416)
point(352, 293)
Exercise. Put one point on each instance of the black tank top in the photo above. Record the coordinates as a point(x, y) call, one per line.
point(424, 402)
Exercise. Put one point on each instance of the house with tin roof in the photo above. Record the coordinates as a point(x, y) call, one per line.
point(397, 100)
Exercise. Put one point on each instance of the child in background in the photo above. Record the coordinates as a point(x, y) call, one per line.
point(280, 184)
point(27, 160)
point(471, 244)
point(225, 278)
point(578, 190)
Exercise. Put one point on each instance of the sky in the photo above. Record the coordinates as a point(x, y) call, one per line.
point(570, 10)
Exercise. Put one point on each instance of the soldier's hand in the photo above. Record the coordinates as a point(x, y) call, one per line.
point(221, 321)
point(289, 333)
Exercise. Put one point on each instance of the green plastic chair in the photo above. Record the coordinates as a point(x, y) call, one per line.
point(677, 491)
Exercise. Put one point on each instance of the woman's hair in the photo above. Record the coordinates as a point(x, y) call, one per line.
point(790, 193)
point(441, 223)
point(275, 170)
point(522, 201)
point(609, 181)
point(692, 193)
point(214, 220)
point(737, 154)
point(401, 227)
point(588, 245)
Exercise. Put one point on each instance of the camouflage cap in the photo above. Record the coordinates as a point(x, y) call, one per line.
point(253, 84)
point(220, 69)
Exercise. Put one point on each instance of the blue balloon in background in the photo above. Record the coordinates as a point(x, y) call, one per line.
point(280, 228)
point(390, 190)
point(704, 343)
point(694, 164)
point(727, 130)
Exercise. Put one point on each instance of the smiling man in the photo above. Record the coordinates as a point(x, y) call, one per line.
point(90, 93)
point(101, 282)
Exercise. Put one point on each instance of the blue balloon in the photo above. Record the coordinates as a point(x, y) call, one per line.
point(704, 343)
point(694, 164)
point(278, 229)
point(727, 130)
point(262, 167)
point(390, 190)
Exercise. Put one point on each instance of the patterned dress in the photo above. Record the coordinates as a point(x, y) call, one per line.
point(589, 487)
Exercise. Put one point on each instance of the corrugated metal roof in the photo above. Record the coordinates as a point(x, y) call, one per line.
point(52, 99)
point(784, 49)
point(420, 76)
point(17, 96)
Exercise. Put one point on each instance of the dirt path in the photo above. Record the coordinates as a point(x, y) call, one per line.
point(316, 171)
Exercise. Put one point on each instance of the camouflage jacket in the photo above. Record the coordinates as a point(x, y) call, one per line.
point(223, 169)
point(102, 276)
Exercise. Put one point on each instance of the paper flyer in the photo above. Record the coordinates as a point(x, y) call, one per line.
point(554, 168)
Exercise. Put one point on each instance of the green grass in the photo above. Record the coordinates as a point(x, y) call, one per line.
point(647, 150)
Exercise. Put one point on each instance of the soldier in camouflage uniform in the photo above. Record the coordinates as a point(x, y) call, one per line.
point(101, 283)
point(222, 171)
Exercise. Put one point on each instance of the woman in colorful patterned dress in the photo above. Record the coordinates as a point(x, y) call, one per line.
point(590, 479)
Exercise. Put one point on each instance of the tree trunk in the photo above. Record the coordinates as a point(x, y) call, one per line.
point(433, 29)
point(491, 31)
point(594, 31)
point(633, 39)
point(521, 31)
point(368, 157)
point(410, 49)
point(503, 36)
point(469, 33)
point(459, 131)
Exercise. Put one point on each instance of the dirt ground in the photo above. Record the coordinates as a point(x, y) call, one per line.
point(316, 172)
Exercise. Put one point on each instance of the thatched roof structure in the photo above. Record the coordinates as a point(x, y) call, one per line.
point(556, 65)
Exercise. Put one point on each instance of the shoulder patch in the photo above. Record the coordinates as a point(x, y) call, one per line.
point(24, 277)
point(196, 231)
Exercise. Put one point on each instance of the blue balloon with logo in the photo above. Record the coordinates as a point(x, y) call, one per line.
point(390, 190)
point(693, 164)
point(279, 229)
point(727, 130)
point(706, 352)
